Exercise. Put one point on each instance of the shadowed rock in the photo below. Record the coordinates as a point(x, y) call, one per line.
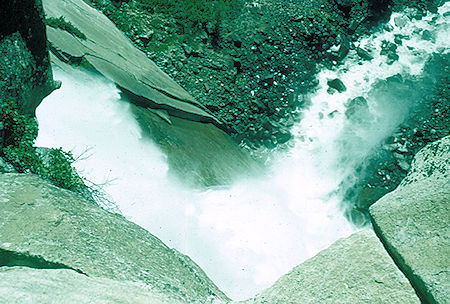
point(25, 73)
point(196, 143)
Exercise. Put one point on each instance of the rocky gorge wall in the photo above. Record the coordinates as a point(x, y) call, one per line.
point(52, 240)
point(69, 248)
point(249, 67)
point(25, 73)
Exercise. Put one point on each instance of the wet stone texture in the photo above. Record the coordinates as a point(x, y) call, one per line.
point(428, 121)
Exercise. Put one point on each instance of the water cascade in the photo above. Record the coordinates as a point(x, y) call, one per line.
point(248, 234)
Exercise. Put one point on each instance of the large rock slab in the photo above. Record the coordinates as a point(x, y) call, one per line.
point(45, 225)
point(413, 222)
point(356, 269)
point(111, 53)
point(23, 285)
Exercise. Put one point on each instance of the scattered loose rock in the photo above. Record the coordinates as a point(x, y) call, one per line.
point(337, 84)
point(357, 109)
point(400, 21)
point(363, 54)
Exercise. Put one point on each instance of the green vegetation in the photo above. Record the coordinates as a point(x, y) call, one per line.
point(61, 23)
point(20, 132)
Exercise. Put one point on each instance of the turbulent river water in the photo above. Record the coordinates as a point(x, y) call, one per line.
point(248, 234)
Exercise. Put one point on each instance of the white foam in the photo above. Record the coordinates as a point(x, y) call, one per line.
point(246, 235)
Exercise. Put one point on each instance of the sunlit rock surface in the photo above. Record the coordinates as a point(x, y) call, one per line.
point(413, 222)
point(356, 269)
point(45, 225)
point(23, 285)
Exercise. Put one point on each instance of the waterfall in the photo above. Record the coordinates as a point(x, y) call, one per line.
point(248, 234)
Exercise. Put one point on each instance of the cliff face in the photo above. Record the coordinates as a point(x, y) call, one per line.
point(25, 74)
point(25, 69)
point(26, 18)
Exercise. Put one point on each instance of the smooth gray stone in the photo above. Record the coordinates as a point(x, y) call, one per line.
point(23, 285)
point(413, 222)
point(198, 148)
point(198, 153)
point(45, 225)
point(356, 269)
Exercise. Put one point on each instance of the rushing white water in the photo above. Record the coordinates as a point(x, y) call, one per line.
point(246, 235)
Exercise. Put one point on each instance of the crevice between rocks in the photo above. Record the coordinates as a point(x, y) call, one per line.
point(12, 258)
point(417, 284)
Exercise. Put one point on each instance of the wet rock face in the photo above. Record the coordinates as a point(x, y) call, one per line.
point(337, 84)
point(109, 52)
point(357, 109)
point(26, 18)
point(200, 152)
point(364, 54)
point(25, 73)
point(258, 61)
point(389, 50)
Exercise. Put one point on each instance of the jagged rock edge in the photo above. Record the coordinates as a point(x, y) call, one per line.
point(13, 258)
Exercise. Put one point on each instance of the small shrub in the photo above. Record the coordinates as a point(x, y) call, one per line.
point(61, 23)
point(19, 133)
point(24, 158)
point(60, 172)
point(17, 128)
